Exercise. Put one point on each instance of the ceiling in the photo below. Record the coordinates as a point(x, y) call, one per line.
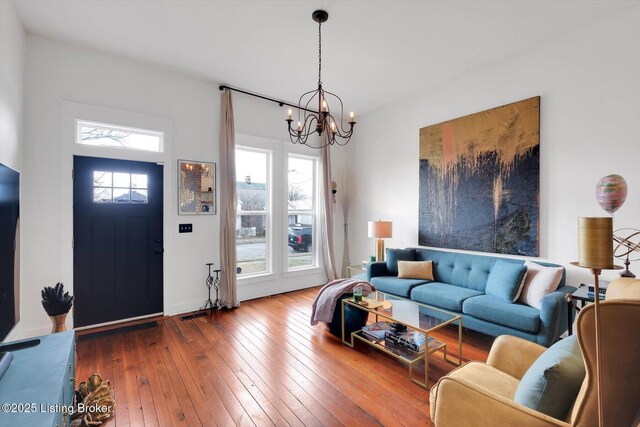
point(374, 52)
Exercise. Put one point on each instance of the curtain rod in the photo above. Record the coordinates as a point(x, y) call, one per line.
point(277, 101)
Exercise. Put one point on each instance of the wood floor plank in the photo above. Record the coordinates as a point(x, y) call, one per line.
point(213, 372)
point(262, 364)
point(118, 377)
point(181, 411)
point(262, 415)
point(216, 406)
point(269, 380)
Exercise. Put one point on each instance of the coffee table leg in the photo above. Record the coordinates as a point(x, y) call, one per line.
point(350, 344)
point(426, 367)
point(459, 347)
point(426, 372)
point(460, 342)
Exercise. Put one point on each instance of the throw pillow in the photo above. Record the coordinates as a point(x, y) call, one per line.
point(538, 282)
point(395, 255)
point(553, 381)
point(505, 280)
point(415, 270)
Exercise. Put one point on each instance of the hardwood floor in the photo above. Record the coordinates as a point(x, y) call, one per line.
point(260, 364)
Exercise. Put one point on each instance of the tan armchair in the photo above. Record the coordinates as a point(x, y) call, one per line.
point(481, 394)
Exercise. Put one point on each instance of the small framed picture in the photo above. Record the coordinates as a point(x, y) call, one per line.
point(196, 188)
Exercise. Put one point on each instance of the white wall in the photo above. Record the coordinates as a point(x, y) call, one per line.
point(12, 53)
point(12, 65)
point(590, 87)
point(59, 75)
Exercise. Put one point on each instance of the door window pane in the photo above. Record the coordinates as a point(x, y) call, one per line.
point(102, 195)
point(252, 237)
point(122, 180)
point(138, 181)
point(139, 196)
point(121, 195)
point(102, 179)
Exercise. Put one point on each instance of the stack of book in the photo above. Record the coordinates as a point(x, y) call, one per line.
point(405, 340)
point(375, 332)
point(591, 291)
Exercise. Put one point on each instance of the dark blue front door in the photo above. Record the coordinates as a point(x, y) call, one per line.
point(118, 240)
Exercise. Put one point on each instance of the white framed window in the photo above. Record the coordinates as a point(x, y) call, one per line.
point(302, 184)
point(113, 136)
point(254, 211)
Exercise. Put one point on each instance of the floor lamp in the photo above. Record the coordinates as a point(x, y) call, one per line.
point(595, 245)
point(380, 230)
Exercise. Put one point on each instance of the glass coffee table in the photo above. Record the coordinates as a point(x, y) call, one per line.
point(415, 316)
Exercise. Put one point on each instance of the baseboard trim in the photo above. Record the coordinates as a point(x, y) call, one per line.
point(100, 327)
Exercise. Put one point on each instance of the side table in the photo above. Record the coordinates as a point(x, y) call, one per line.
point(356, 269)
point(580, 296)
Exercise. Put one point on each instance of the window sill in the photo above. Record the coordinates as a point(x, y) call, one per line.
point(270, 277)
point(255, 278)
point(303, 272)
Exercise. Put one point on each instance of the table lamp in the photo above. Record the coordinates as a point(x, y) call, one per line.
point(595, 245)
point(380, 230)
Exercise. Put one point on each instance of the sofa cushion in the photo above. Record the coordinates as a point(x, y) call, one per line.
point(505, 280)
point(538, 282)
point(415, 270)
point(466, 270)
point(553, 381)
point(443, 295)
point(395, 255)
point(492, 309)
point(393, 285)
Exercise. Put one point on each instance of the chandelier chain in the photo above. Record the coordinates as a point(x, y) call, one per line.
point(320, 53)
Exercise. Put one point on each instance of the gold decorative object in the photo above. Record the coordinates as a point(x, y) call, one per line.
point(595, 237)
point(94, 394)
point(625, 246)
point(58, 322)
point(595, 244)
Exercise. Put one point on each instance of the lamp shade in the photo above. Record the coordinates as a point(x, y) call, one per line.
point(595, 242)
point(380, 229)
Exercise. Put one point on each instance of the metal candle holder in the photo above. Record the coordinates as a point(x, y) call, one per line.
point(214, 283)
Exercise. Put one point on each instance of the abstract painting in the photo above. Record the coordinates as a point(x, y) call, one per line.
point(480, 181)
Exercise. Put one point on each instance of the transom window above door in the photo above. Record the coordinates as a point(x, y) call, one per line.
point(120, 187)
point(105, 135)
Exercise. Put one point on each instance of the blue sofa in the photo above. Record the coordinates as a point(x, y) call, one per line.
point(459, 286)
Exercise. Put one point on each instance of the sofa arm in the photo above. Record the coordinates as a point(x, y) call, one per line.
point(378, 268)
point(553, 316)
point(513, 355)
point(461, 403)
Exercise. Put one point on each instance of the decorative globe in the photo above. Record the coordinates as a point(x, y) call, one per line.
point(611, 192)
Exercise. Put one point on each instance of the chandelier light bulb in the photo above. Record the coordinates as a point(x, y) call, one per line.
point(289, 113)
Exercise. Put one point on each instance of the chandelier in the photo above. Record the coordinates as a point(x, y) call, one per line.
point(320, 121)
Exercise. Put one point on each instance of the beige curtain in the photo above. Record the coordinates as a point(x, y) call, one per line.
point(327, 217)
point(228, 204)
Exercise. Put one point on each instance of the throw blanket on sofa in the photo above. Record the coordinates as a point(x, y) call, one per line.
point(325, 302)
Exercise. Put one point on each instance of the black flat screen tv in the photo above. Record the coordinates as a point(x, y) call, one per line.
point(9, 250)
